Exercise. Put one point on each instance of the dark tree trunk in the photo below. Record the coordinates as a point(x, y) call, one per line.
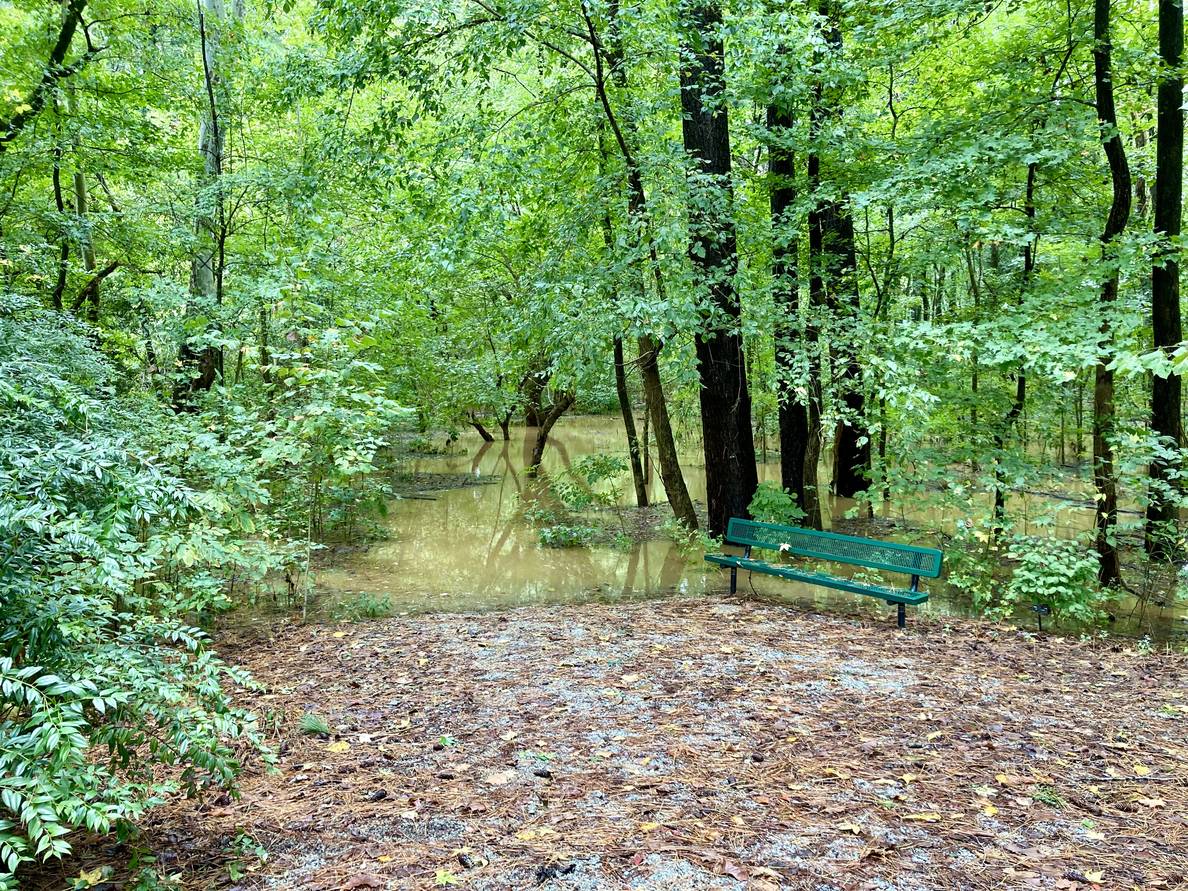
point(610, 51)
point(637, 474)
point(731, 475)
point(533, 387)
point(835, 261)
point(560, 405)
point(482, 431)
point(1020, 401)
point(64, 248)
point(1106, 519)
point(793, 408)
point(666, 452)
point(813, 503)
point(1162, 511)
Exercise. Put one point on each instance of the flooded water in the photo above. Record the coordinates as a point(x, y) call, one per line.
point(470, 548)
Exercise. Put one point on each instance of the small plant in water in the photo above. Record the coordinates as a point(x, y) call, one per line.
point(564, 535)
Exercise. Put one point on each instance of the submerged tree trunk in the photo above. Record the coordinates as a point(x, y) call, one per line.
point(1162, 510)
point(793, 405)
point(731, 475)
point(637, 474)
point(561, 404)
point(1106, 519)
point(609, 54)
point(666, 452)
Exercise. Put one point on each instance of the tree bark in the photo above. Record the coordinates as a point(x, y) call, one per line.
point(793, 406)
point(1162, 511)
point(202, 366)
point(731, 474)
point(836, 263)
point(1106, 519)
point(1020, 401)
point(637, 474)
point(561, 404)
point(666, 452)
point(610, 52)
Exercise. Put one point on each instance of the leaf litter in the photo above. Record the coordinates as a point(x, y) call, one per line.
point(699, 743)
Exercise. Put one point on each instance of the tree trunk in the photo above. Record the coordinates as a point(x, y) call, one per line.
point(1020, 401)
point(639, 229)
point(1162, 530)
point(482, 431)
point(202, 365)
point(637, 475)
point(560, 405)
point(1106, 519)
point(64, 247)
point(666, 452)
point(835, 263)
point(793, 406)
point(731, 475)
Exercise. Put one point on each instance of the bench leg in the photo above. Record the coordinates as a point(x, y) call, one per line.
point(733, 579)
point(901, 616)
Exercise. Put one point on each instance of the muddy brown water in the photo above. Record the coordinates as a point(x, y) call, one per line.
point(469, 548)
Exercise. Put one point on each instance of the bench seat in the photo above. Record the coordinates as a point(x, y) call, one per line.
point(884, 556)
point(841, 583)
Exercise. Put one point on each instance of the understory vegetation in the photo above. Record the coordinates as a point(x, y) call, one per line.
point(925, 255)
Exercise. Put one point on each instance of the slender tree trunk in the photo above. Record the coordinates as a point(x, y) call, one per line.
point(561, 404)
point(483, 432)
point(609, 54)
point(637, 475)
point(813, 503)
point(731, 475)
point(666, 452)
point(202, 365)
point(1106, 520)
point(793, 406)
point(1162, 511)
point(64, 247)
point(837, 265)
point(1020, 401)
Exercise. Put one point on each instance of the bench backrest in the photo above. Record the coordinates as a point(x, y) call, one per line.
point(886, 555)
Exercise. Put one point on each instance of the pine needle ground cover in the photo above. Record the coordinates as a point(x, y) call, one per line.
point(689, 744)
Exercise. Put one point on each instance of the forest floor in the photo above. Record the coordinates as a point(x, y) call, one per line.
point(705, 743)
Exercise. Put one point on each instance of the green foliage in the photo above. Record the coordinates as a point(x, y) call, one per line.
point(771, 504)
point(314, 724)
point(1055, 572)
point(94, 657)
point(563, 535)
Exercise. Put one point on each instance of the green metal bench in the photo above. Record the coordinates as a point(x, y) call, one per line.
point(830, 546)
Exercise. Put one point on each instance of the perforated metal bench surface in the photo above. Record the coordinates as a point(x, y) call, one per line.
point(886, 556)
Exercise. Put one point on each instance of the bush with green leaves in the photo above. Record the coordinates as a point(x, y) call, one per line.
point(771, 504)
point(109, 701)
point(1057, 573)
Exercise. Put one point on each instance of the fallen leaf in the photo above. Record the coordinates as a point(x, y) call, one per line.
point(500, 777)
point(340, 746)
point(1141, 770)
point(989, 810)
point(849, 827)
point(648, 827)
point(1095, 876)
point(925, 817)
point(364, 880)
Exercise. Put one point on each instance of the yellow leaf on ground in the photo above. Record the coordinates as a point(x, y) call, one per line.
point(648, 827)
point(926, 817)
point(1095, 876)
point(849, 827)
point(339, 746)
point(1141, 770)
point(989, 810)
